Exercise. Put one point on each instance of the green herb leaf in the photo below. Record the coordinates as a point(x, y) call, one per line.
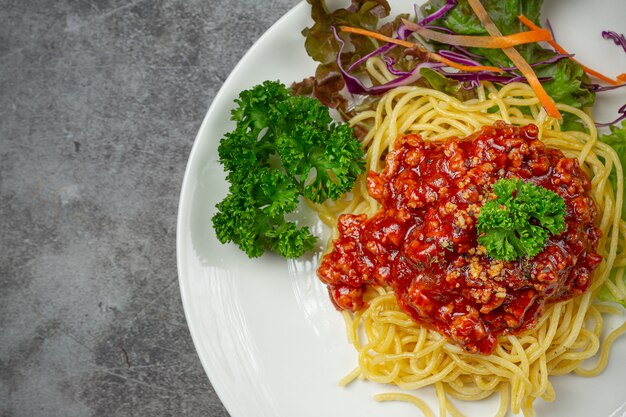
point(519, 220)
point(282, 147)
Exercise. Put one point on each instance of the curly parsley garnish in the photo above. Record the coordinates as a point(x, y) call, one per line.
point(519, 220)
point(283, 147)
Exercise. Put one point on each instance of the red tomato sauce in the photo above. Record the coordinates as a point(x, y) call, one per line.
point(422, 243)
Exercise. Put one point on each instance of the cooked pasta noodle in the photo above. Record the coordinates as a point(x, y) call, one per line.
point(393, 349)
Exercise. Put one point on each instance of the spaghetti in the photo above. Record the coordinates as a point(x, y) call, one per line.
point(394, 349)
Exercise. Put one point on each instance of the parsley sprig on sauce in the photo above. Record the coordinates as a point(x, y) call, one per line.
point(519, 221)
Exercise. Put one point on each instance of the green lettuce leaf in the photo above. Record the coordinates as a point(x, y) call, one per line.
point(446, 85)
point(617, 140)
point(320, 42)
point(321, 45)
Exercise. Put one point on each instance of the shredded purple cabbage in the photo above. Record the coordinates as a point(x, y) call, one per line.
point(459, 58)
point(475, 78)
point(622, 116)
point(552, 60)
point(597, 88)
point(439, 13)
point(617, 38)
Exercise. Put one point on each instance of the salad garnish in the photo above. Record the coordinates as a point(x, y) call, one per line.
point(518, 60)
point(341, 53)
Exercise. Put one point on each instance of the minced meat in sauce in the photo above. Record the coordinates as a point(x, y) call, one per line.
point(422, 243)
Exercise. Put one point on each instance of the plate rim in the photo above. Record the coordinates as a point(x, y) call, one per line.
point(183, 212)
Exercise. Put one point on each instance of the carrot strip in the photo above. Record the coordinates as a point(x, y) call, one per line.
point(431, 55)
point(519, 61)
point(622, 77)
point(530, 25)
point(493, 42)
point(376, 35)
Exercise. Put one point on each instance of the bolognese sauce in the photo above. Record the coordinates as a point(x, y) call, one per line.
point(422, 242)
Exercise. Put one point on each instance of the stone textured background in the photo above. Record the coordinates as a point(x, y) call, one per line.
point(100, 102)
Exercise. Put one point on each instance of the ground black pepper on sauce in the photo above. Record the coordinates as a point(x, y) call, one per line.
point(423, 241)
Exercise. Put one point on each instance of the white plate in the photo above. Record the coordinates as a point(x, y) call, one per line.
point(266, 332)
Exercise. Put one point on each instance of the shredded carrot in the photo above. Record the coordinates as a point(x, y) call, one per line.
point(529, 24)
point(376, 35)
point(493, 42)
point(622, 77)
point(519, 61)
point(431, 55)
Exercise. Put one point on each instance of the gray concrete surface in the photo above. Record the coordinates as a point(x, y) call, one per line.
point(99, 104)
